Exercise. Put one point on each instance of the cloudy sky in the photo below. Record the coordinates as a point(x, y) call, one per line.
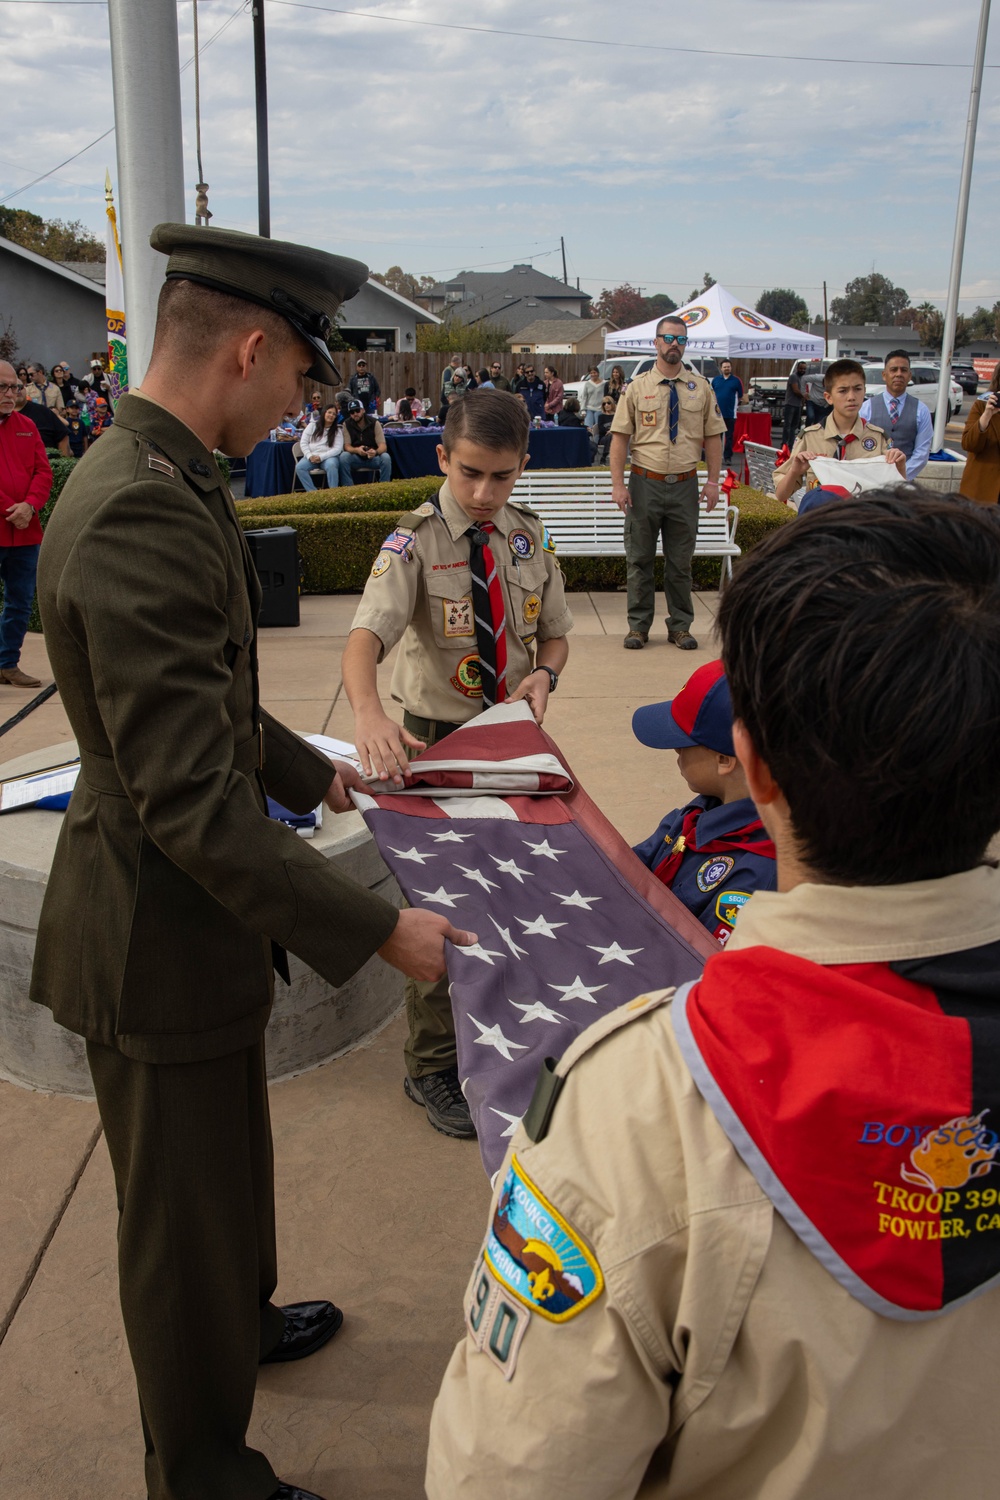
point(762, 153)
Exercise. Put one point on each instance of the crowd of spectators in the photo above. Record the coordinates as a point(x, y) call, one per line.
point(69, 412)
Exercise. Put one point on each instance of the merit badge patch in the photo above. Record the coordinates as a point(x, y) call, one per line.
point(532, 608)
point(868, 443)
point(521, 544)
point(467, 678)
point(714, 871)
point(381, 564)
point(548, 545)
point(648, 418)
point(729, 905)
point(400, 542)
point(496, 1321)
point(458, 617)
point(538, 1257)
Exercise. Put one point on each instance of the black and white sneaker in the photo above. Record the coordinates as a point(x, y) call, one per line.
point(442, 1097)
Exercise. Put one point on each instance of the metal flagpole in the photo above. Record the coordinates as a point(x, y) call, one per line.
point(146, 79)
point(260, 90)
point(958, 250)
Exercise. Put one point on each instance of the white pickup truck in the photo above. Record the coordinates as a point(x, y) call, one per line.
point(637, 364)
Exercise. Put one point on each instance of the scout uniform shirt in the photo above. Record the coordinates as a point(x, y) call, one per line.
point(653, 1315)
point(643, 412)
point(713, 855)
point(863, 441)
point(420, 592)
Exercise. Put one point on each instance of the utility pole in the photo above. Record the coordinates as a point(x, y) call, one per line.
point(260, 93)
point(826, 325)
point(562, 244)
point(146, 81)
point(958, 248)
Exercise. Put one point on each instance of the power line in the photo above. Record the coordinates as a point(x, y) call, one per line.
point(590, 41)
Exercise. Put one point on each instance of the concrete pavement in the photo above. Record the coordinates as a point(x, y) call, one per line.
point(374, 1208)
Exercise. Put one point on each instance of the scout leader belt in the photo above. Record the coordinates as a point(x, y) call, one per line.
point(865, 1100)
point(667, 478)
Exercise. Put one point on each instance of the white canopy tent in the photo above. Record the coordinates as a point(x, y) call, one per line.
point(719, 324)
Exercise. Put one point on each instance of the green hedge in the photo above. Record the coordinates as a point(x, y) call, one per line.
point(337, 550)
point(397, 495)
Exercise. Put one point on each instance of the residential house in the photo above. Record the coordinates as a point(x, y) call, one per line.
point(563, 336)
point(511, 298)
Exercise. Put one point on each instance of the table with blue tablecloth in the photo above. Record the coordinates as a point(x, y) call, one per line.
point(271, 466)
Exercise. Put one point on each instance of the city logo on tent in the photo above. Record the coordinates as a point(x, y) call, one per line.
point(694, 315)
point(751, 319)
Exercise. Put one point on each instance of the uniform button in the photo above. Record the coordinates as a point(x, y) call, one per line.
point(246, 637)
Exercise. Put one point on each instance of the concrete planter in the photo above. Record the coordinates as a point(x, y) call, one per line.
point(310, 1023)
point(942, 476)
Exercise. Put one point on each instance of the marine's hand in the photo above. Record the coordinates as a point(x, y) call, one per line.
point(345, 778)
point(534, 689)
point(381, 744)
point(20, 515)
point(620, 495)
point(417, 943)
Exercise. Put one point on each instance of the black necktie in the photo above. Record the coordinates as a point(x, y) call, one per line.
point(674, 411)
point(488, 610)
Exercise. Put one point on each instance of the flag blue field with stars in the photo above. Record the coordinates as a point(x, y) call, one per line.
point(570, 924)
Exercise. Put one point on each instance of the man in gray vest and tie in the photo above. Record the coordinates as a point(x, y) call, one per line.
point(905, 421)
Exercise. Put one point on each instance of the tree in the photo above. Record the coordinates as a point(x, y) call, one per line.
point(984, 324)
point(53, 238)
point(869, 299)
point(8, 340)
point(659, 305)
point(707, 280)
point(623, 305)
point(929, 323)
point(452, 335)
point(404, 282)
point(784, 306)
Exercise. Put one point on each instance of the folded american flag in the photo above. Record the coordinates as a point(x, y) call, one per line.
point(570, 924)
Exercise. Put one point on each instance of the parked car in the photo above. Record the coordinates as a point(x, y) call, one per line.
point(637, 364)
point(964, 371)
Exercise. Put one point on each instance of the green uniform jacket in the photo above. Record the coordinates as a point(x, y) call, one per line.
point(169, 881)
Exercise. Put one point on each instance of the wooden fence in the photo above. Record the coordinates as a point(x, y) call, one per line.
point(394, 372)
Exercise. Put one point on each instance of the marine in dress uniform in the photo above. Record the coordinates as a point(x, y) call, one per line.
point(420, 593)
point(669, 415)
point(171, 890)
point(712, 854)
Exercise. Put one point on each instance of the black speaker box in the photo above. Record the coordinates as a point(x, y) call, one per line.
point(276, 557)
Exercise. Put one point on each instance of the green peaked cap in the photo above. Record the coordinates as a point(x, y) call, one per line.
point(305, 286)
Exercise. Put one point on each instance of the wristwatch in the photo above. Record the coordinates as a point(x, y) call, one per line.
point(553, 677)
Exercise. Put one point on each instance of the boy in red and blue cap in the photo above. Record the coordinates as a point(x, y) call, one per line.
point(714, 852)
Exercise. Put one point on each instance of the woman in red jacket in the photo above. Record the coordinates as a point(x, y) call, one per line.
point(25, 486)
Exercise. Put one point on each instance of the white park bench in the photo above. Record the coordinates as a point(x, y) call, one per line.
point(577, 508)
point(760, 466)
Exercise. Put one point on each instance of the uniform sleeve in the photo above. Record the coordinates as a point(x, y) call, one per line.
point(294, 772)
point(797, 447)
point(974, 439)
point(146, 587)
point(715, 422)
point(390, 596)
point(724, 904)
point(624, 417)
point(555, 619)
point(651, 850)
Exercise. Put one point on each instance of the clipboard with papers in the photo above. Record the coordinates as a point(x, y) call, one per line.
point(34, 789)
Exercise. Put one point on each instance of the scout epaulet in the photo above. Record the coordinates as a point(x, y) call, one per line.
point(870, 427)
point(538, 1115)
point(415, 518)
point(522, 506)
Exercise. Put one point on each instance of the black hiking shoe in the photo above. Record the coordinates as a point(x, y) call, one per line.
point(442, 1097)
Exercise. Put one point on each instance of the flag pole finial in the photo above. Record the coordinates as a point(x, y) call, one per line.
point(109, 194)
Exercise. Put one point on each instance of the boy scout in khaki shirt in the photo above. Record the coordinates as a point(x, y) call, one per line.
point(421, 593)
point(746, 1245)
point(843, 434)
point(667, 416)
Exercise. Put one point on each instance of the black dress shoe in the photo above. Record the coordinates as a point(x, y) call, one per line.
point(292, 1492)
point(308, 1326)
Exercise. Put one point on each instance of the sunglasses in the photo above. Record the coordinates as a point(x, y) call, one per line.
point(680, 339)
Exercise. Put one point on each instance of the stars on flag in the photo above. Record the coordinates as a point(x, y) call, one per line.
point(614, 954)
point(505, 934)
point(441, 897)
point(544, 849)
point(575, 991)
point(450, 836)
point(476, 950)
point(510, 867)
point(492, 1036)
point(538, 1011)
point(413, 854)
point(577, 900)
point(479, 878)
point(539, 927)
point(513, 1121)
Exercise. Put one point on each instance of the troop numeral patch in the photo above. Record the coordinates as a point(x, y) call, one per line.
point(496, 1322)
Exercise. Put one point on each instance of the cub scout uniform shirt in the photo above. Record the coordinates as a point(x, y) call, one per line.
point(420, 592)
point(863, 441)
point(722, 1269)
point(643, 412)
